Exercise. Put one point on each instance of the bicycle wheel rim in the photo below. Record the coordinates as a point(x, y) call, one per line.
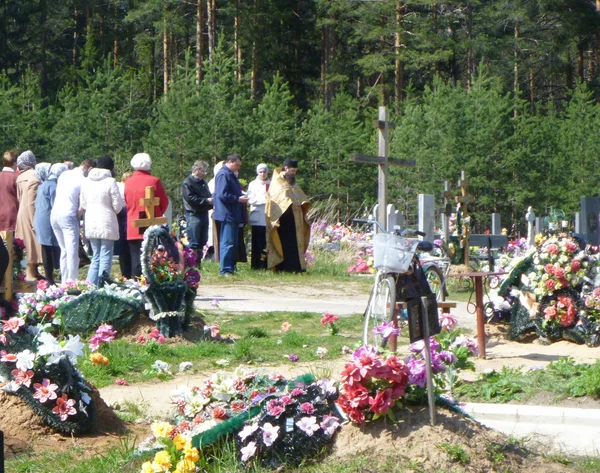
point(381, 309)
point(435, 281)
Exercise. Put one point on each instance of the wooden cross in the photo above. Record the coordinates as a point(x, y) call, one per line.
point(464, 199)
point(383, 161)
point(150, 202)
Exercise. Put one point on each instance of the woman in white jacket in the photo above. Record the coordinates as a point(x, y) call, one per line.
point(257, 198)
point(101, 201)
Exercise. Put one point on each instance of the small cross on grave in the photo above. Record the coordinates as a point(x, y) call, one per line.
point(149, 202)
point(383, 161)
point(464, 200)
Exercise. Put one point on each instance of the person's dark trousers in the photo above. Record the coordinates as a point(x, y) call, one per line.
point(3, 260)
point(135, 248)
point(241, 256)
point(289, 243)
point(197, 232)
point(122, 246)
point(228, 242)
point(50, 261)
point(259, 245)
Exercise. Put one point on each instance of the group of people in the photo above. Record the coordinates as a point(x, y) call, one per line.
point(276, 210)
point(44, 204)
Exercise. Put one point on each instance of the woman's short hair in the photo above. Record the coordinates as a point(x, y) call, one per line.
point(202, 165)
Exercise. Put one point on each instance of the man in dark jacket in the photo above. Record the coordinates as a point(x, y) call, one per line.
point(229, 210)
point(197, 201)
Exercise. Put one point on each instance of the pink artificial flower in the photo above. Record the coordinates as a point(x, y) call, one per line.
point(3, 339)
point(386, 330)
point(42, 284)
point(552, 249)
point(141, 339)
point(121, 382)
point(248, 451)
point(382, 402)
point(214, 330)
point(64, 407)
point(550, 284)
point(570, 247)
point(13, 324)
point(275, 408)
point(161, 338)
point(329, 318)
point(330, 424)
point(7, 357)
point(575, 265)
point(45, 391)
point(307, 408)
point(297, 392)
point(549, 268)
point(22, 377)
point(448, 321)
point(285, 326)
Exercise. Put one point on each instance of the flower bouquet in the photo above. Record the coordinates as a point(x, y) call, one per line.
point(292, 425)
point(558, 316)
point(174, 450)
point(372, 385)
point(41, 371)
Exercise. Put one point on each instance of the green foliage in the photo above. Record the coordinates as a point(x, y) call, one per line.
point(456, 452)
point(503, 386)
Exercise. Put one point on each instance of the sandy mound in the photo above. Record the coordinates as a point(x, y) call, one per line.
point(25, 431)
point(456, 443)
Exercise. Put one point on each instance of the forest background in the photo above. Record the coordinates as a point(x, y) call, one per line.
point(504, 90)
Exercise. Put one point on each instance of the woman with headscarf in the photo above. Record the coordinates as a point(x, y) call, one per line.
point(27, 185)
point(41, 220)
point(257, 199)
point(135, 190)
point(102, 201)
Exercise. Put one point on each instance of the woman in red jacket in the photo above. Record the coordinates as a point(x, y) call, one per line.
point(135, 190)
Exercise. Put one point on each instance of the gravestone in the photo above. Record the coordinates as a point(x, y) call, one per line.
point(530, 217)
point(588, 220)
point(393, 217)
point(496, 224)
point(426, 215)
point(539, 225)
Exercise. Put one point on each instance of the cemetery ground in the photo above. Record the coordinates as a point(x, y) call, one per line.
point(256, 339)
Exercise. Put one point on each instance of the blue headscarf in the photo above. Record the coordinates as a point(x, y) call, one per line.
point(56, 170)
point(42, 170)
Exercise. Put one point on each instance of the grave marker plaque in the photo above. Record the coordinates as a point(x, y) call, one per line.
point(418, 314)
point(588, 220)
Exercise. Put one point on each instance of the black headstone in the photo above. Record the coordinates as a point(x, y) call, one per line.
point(588, 220)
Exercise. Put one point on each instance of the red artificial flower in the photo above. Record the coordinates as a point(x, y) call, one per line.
point(238, 406)
point(559, 273)
point(329, 318)
point(549, 268)
point(47, 310)
point(382, 402)
point(42, 284)
point(575, 265)
point(552, 249)
point(45, 391)
point(550, 284)
point(239, 385)
point(64, 407)
point(570, 247)
point(22, 377)
point(7, 357)
point(219, 413)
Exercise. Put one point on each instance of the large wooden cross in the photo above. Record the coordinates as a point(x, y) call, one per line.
point(464, 200)
point(149, 202)
point(383, 161)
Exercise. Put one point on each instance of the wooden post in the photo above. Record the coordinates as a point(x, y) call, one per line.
point(464, 199)
point(149, 202)
point(383, 161)
point(383, 150)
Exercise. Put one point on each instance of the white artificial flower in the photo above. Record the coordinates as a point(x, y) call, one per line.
point(162, 367)
point(270, 433)
point(330, 424)
point(25, 360)
point(185, 366)
point(248, 451)
point(308, 425)
point(247, 430)
point(322, 352)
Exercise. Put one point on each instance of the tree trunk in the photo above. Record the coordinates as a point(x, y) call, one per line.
point(580, 62)
point(75, 36)
point(116, 38)
point(399, 65)
point(212, 29)
point(43, 72)
point(165, 55)
point(516, 69)
point(199, 40)
point(531, 86)
point(236, 41)
point(254, 71)
point(470, 53)
point(324, 53)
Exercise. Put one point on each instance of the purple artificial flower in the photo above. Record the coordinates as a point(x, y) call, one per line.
point(417, 372)
point(191, 257)
point(386, 330)
point(192, 278)
point(307, 408)
point(293, 357)
point(329, 424)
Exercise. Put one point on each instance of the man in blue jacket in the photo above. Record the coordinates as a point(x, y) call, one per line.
point(229, 210)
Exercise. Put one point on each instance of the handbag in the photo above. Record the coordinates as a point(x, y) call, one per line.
point(84, 259)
